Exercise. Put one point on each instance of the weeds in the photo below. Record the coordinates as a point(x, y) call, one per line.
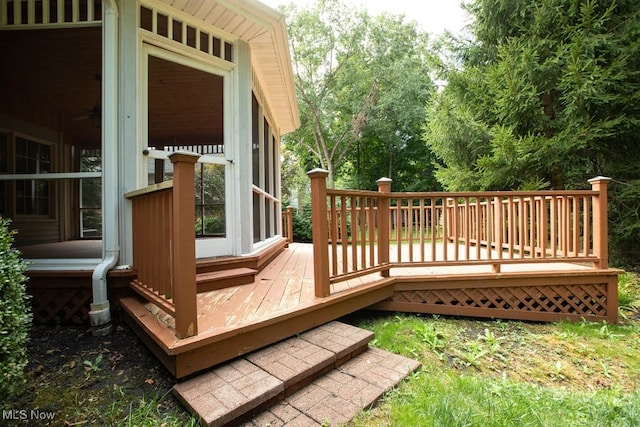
point(93, 366)
point(629, 292)
point(502, 373)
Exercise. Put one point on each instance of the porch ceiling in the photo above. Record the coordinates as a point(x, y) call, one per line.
point(265, 31)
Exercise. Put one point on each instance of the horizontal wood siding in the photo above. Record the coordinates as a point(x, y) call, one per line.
point(34, 231)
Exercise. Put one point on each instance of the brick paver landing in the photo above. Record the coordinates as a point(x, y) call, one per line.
point(325, 375)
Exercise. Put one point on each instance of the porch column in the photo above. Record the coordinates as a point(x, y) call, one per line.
point(384, 223)
point(183, 248)
point(320, 232)
point(600, 221)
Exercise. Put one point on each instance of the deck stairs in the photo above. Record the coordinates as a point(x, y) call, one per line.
point(323, 376)
point(228, 271)
point(224, 272)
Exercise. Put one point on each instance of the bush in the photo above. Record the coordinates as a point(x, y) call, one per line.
point(629, 292)
point(302, 228)
point(213, 225)
point(15, 315)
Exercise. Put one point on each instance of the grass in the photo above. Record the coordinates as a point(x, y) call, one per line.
point(474, 373)
point(507, 373)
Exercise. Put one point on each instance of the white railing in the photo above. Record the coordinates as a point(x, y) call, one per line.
point(21, 14)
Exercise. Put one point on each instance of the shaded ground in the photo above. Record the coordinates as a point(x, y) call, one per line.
point(85, 380)
point(80, 379)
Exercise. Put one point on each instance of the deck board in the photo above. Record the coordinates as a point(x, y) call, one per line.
point(281, 302)
point(287, 284)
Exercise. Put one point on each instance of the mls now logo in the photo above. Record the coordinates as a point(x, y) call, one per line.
point(23, 414)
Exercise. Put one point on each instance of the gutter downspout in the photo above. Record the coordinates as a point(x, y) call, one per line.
point(100, 314)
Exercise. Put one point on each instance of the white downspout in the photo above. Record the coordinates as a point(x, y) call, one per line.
point(100, 313)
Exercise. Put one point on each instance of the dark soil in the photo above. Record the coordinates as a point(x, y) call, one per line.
point(80, 379)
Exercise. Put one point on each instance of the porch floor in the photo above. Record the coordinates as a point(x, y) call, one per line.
point(286, 285)
point(281, 303)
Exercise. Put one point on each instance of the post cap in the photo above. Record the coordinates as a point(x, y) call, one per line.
point(383, 180)
point(184, 156)
point(317, 173)
point(598, 179)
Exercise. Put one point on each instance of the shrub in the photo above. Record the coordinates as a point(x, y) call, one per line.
point(302, 227)
point(213, 225)
point(15, 315)
point(629, 292)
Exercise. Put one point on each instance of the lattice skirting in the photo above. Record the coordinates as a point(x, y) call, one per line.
point(536, 301)
point(61, 305)
point(66, 299)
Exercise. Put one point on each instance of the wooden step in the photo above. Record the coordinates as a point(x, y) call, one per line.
point(255, 261)
point(225, 278)
point(301, 378)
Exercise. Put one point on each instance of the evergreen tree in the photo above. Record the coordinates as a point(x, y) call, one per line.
point(546, 97)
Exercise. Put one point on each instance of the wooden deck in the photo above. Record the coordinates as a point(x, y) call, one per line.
point(281, 303)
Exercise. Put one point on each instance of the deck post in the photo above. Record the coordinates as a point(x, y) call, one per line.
point(384, 223)
point(290, 224)
point(320, 232)
point(183, 248)
point(600, 221)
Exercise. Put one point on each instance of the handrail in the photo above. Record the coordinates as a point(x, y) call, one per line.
point(164, 244)
point(49, 176)
point(368, 231)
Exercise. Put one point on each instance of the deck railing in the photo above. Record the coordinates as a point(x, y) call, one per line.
point(356, 233)
point(287, 224)
point(164, 244)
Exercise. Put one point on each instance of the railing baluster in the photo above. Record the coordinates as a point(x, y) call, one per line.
point(91, 11)
point(576, 225)
point(586, 230)
point(554, 220)
point(423, 217)
point(511, 221)
point(354, 233)
point(399, 228)
point(478, 228)
point(344, 235)
point(333, 231)
point(371, 228)
point(467, 228)
point(410, 227)
point(552, 226)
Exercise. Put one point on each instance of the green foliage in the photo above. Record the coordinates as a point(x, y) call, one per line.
point(363, 85)
point(508, 373)
point(629, 292)
point(545, 96)
point(15, 315)
point(302, 228)
point(93, 365)
point(212, 225)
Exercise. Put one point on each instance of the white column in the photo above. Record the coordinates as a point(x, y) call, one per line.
point(131, 160)
point(243, 225)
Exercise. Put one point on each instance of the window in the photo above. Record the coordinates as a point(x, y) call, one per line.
point(210, 200)
point(33, 197)
point(91, 194)
point(25, 155)
point(265, 164)
point(4, 168)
